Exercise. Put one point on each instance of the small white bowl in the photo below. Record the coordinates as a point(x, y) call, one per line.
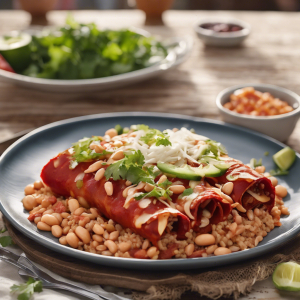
point(222, 39)
point(279, 127)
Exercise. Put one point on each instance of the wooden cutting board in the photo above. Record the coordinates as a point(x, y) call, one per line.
point(89, 273)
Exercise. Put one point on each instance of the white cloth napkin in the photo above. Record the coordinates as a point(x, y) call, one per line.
point(9, 276)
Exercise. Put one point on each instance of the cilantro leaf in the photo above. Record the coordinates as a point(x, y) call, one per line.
point(156, 193)
point(27, 289)
point(165, 184)
point(187, 192)
point(6, 241)
point(163, 141)
point(82, 151)
point(278, 172)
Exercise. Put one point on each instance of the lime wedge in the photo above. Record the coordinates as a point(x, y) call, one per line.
point(16, 50)
point(287, 276)
point(284, 158)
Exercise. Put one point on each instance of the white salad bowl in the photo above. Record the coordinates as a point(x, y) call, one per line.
point(222, 39)
point(279, 127)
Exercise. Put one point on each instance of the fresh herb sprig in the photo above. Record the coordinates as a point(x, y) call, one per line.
point(27, 289)
point(6, 241)
point(82, 151)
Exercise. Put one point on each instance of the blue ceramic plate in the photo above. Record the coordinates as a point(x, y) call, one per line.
point(22, 162)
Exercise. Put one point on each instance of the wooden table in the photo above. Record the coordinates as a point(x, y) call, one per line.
point(270, 55)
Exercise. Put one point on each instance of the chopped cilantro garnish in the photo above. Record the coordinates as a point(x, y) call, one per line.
point(6, 241)
point(165, 184)
point(27, 289)
point(187, 192)
point(130, 168)
point(215, 148)
point(163, 141)
point(82, 151)
point(156, 192)
point(278, 172)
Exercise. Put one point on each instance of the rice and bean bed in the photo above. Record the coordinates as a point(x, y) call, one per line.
point(74, 223)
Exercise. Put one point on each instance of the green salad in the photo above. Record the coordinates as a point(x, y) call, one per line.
point(82, 51)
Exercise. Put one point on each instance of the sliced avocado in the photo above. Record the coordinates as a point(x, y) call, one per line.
point(191, 173)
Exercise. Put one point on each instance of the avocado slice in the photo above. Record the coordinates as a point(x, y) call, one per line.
point(191, 173)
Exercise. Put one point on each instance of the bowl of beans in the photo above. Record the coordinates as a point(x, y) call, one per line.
point(222, 32)
point(269, 109)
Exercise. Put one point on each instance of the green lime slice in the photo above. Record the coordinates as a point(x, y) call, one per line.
point(15, 49)
point(284, 158)
point(287, 276)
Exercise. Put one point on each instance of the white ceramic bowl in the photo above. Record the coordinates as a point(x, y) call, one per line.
point(279, 127)
point(222, 39)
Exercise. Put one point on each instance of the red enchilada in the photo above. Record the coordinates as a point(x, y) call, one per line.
point(143, 193)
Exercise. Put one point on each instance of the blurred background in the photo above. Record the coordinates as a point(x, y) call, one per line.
point(275, 5)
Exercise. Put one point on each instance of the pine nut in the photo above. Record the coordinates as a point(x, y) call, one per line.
point(114, 235)
point(128, 183)
point(227, 188)
point(108, 188)
point(38, 185)
point(206, 213)
point(97, 148)
point(83, 234)
point(72, 240)
point(280, 191)
point(189, 249)
point(56, 231)
point(73, 205)
point(97, 238)
point(112, 247)
point(177, 189)
point(50, 220)
point(257, 212)
point(43, 226)
point(29, 189)
point(205, 239)
point(152, 251)
point(149, 187)
point(111, 132)
point(94, 167)
point(118, 155)
point(222, 251)
point(124, 246)
point(99, 174)
point(162, 179)
point(63, 240)
point(29, 202)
